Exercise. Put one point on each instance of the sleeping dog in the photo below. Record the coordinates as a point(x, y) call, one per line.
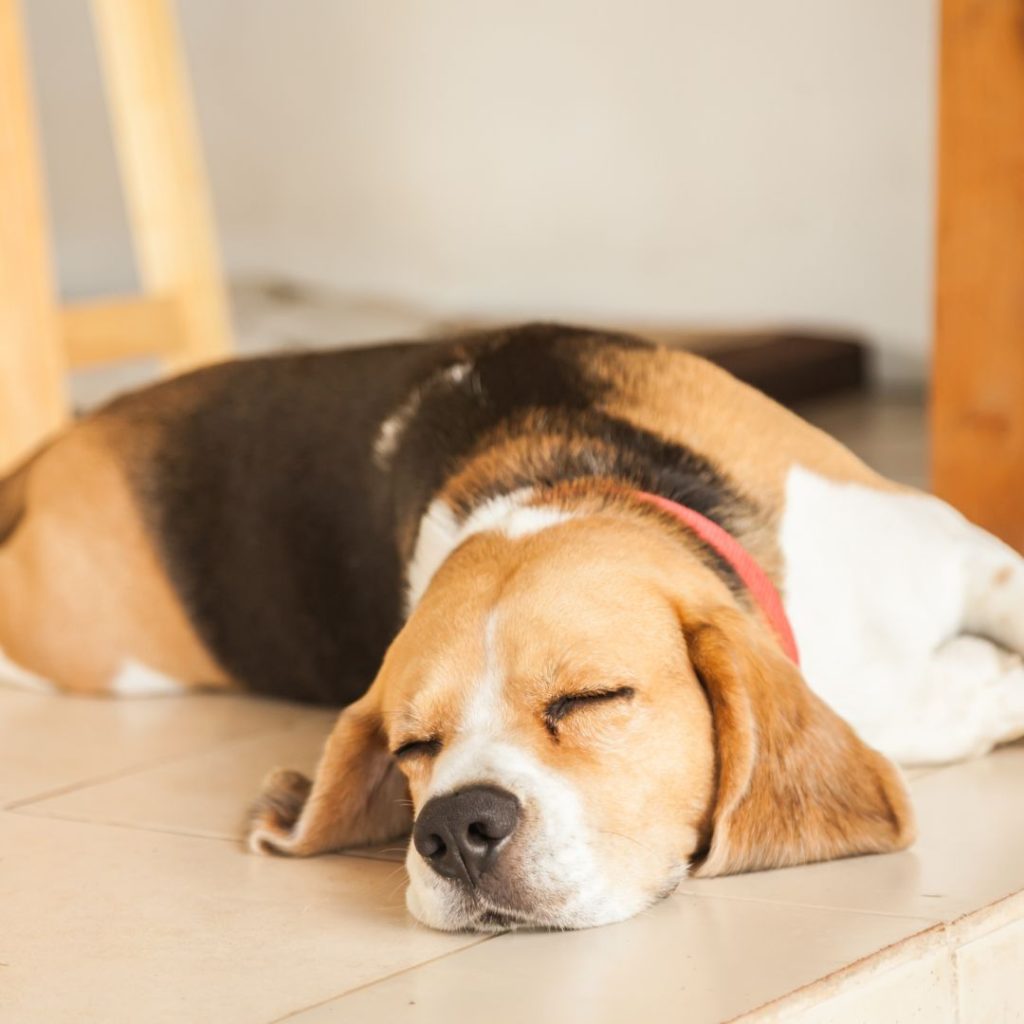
point(622, 618)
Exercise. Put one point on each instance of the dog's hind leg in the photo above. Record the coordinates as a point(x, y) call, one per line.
point(85, 603)
point(969, 696)
point(967, 699)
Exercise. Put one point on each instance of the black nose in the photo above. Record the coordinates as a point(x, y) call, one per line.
point(459, 835)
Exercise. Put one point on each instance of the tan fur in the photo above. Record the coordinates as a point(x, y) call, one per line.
point(795, 784)
point(723, 756)
point(81, 588)
point(753, 440)
point(750, 437)
point(567, 623)
point(358, 797)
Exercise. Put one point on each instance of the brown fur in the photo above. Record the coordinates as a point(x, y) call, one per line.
point(358, 797)
point(81, 589)
point(794, 784)
point(724, 756)
point(720, 757)
point(751, 439)
point(13, 500)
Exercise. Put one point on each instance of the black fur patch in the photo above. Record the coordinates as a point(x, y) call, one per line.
point(277, 530)
point(509, 372)
point(284, 537)
point(591, 444)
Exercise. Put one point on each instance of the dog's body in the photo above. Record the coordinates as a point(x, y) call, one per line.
point(270, 525)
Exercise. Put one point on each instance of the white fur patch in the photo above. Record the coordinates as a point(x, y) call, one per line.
point(391, 430)
point(484, 711)
point(14, 675)
point(441, 533)
point(968, 698)
point(880, 588)
point(134, 679)
point(389, 435)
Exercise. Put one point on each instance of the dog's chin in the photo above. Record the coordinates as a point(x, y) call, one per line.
point(440, 904)
point(464, 914)
point(502, 921)
point(469, 915)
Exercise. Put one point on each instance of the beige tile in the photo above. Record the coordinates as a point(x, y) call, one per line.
point(687, 959)
point(990, 973)
point(48, 742)
point(107, 924)
point(913, 984)
point(991, 967)
point(970, 852)
point(986, 920)
point(205, 794)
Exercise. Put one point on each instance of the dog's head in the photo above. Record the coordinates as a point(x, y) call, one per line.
point(581, 717)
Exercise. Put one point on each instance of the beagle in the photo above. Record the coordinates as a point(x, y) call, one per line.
point(621, 618)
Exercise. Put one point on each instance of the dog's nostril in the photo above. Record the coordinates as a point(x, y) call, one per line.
point(479, 832)
point(497, 827)
point(432, 846)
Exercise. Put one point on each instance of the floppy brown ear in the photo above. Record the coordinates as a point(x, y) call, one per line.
point(358, 797)
point(795, 783)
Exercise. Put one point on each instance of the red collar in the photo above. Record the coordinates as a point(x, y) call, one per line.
point(754, 578)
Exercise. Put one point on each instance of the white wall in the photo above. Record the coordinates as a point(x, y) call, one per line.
point(690, 160)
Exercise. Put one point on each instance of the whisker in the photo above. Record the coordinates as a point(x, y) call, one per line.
point(621, 835)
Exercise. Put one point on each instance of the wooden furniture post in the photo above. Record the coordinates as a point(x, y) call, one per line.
point(182, 314)
point(977, 413)
point(32, 361)
point(162, 173)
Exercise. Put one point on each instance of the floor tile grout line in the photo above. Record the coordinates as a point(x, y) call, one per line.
point(156, 829)
point(167, 831)
point(355, 855)
point(846, 973)
point(386, 977)
point(942, 927)
point(954, 967)
point(817, 906)
point(19, 810)
point(27, 812)
point(138, 769)
point(930, 921)
point(948, 943)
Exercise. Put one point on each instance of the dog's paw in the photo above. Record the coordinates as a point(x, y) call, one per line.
point(274, 815)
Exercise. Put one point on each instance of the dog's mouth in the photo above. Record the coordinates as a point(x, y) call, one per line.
point(493, 920)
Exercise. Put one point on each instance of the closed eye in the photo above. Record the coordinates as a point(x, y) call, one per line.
point(565, 705)
point(417, 748)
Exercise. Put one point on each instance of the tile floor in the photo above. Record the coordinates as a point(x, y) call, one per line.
point(125, 895)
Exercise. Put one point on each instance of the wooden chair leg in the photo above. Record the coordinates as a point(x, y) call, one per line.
point(33, 401)
point(978, 375)
point(162, 172)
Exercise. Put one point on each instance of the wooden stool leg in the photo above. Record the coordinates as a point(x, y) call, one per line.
point(162, 171)
point(978, 378)
point(32, 364)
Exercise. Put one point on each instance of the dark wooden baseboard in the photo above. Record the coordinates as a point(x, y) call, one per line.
point(790, 365)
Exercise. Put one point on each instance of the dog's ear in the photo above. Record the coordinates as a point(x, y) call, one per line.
point(358, 797)
point(795, 783)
